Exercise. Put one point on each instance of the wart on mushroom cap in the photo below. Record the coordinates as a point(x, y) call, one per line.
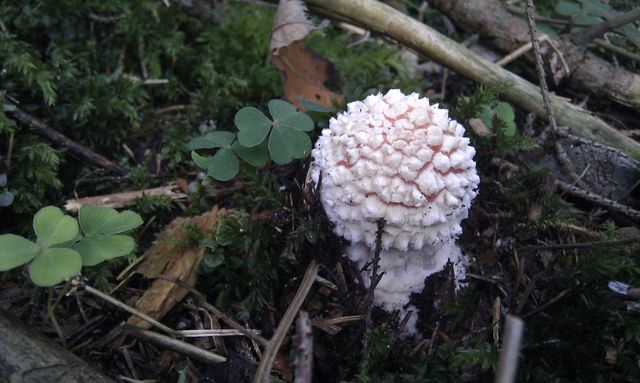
point(396, 157)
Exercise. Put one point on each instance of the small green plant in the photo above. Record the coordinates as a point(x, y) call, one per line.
point(283, 138)
point(6, 197)
point(63, 246)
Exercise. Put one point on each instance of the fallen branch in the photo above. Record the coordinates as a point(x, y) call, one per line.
point(425, 40)
point(41, 129)
point(491, 20)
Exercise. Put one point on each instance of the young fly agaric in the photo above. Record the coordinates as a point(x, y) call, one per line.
point(397, 158)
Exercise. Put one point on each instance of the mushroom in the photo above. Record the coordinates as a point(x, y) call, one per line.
point(397, 158)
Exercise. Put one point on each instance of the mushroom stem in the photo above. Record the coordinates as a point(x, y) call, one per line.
point(405, 273)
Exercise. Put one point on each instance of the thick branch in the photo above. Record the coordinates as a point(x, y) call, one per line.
point(26, 356)
point(40, 128)
point(491, 20)
point(420, 37)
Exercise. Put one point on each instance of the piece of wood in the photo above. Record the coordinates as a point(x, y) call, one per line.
point(29, 357)
point(423, 39)
point(124, 199)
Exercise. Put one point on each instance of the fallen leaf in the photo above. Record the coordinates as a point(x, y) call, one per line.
point(289, 24)
point(304, 74)
point(170, 258)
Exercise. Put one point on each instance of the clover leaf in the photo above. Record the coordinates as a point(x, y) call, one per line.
point(53, 227)
point(54, 265)
point(15, 251)
point(99, 228)
point(253, 126)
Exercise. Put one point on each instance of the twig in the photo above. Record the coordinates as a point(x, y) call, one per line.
point(211, 332)
point(581, 245)
point(269, 355)
point(508, 364)
point(526, 47)
point(228, 320)
point(304, 347)
point(552, 301)
point(606, 45)
point(599, 200)
point(106, 19)
point(546, 20)
point(122, 305)
point(594, 31)
point(539, 65)
point(76, 149)
point(175, 345)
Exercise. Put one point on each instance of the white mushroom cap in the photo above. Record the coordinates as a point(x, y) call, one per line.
point(398, 158)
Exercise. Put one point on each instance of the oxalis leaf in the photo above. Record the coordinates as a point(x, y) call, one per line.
point(253, 126)
point(212, 140)
point(53, 227)
point(99, 220)
point(15, 251)
point(54, 265)
point(286, 144)
point(256, 156)
point(223, 166)
point(99, 248)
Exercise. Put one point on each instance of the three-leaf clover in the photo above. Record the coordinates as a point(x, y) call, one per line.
point(51, 264)
point(224, 165)
point(282, 138)
point(286, 131)
point(62, 247)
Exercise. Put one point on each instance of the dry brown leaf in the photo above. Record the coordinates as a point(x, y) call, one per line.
point(304, 74)
point(289, 24)
point(170, 258)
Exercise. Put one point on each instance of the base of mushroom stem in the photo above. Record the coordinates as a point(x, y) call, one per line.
point(405, 274)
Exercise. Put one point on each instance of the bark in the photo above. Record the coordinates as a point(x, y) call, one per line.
point(28, 357)
point(588, 72)
point(377, 16)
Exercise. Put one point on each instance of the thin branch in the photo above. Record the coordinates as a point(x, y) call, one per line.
point(539, 65)
point(175, 345)
point(588, 34)
point(76, 149)
point(606, 45)
point(581, 245)
point(269, 355)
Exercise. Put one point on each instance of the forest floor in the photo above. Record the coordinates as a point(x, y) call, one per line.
point(105, 103)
